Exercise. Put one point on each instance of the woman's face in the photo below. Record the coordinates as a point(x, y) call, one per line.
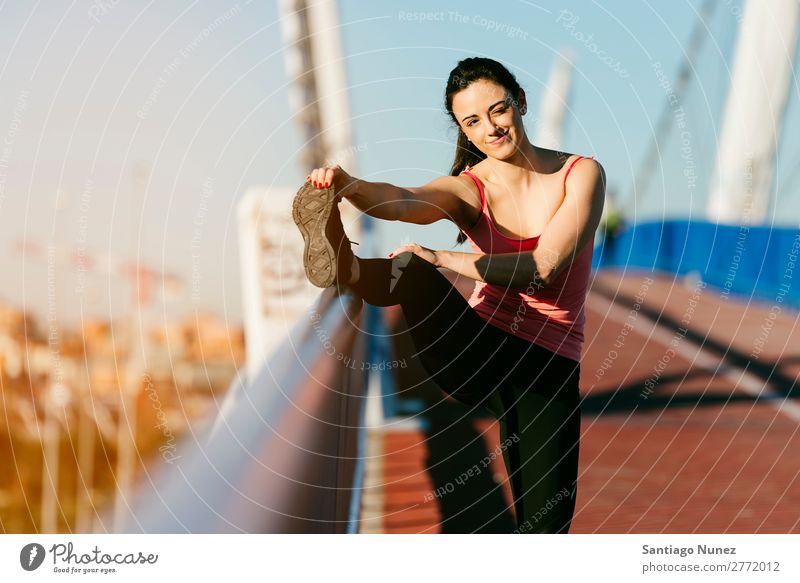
point(489, 118)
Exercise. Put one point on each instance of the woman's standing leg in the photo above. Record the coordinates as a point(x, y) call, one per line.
point(540, 431)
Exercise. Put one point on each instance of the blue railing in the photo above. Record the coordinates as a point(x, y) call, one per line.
point(755, 262)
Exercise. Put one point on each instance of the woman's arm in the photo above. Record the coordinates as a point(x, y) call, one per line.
point(439, 199)
point(566, 234)
point(515, 270)
point(443, 198)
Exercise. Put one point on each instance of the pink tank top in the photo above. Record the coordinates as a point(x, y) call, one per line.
point(552, 316)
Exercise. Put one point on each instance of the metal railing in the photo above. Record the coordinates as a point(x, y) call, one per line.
point(283, 454)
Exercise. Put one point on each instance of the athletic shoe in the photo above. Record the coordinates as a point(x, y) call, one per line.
point(327, 256)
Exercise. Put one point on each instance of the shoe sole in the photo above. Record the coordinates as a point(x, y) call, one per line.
point(311, 210)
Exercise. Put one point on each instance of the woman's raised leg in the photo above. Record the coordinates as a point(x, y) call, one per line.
point(459, 349)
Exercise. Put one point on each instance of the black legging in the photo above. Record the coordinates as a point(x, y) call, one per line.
point(530, 390)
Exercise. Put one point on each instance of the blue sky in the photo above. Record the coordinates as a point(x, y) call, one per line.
point(149, 108)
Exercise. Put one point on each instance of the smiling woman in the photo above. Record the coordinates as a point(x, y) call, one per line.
point(515, 345)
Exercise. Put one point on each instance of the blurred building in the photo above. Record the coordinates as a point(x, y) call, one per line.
point(188, 362)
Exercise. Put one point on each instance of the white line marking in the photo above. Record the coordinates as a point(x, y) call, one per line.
point(692, 351)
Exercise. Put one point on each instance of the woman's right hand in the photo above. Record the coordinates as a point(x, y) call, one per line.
point(335, 176)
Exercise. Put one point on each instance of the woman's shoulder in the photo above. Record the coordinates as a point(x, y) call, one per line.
point(564, 161)
point(474, 193)
point(573, 165)
point(471, 195)
point(568, 160)
point(476, 169)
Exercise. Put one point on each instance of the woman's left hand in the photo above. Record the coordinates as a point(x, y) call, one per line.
point(428, 255)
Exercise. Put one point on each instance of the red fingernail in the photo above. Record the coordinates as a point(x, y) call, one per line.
point(315, 184)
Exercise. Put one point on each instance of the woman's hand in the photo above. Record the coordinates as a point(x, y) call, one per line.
point(335, 176)
point(428, 255)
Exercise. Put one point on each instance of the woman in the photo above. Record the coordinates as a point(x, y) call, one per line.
point(529, 215)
